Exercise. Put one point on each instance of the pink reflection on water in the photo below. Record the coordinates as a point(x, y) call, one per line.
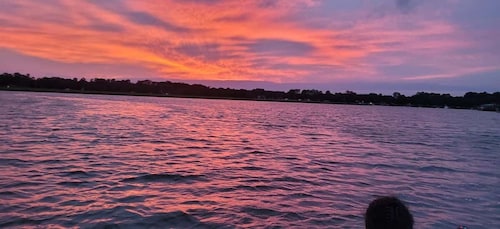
point(238, 163)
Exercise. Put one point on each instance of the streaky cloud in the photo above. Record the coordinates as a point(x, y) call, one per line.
point(280, 47)
point(138, 17)
point(106, 27)
point(143, 18)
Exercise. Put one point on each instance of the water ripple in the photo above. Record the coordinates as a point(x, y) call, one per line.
point(97, 161)
point(169, 178)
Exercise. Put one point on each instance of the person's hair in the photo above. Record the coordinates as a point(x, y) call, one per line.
point(388, 213)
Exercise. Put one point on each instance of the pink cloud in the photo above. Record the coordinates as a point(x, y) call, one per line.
point(278, 41)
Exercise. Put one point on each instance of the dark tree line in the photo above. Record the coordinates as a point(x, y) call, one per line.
point(19, 81)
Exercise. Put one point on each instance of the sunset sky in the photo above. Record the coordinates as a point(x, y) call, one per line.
point(450, 46)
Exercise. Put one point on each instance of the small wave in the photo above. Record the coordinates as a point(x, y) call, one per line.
point(310, 203)
point(245, 220)
point(436, 169)
point(175, 219)
point(76, 203)
point(195, 147)
point(78, 174)
point(300, 195)
point(334, 163)
point(22, 184)
point(383, 166)
point(274, 126)
point(156, 141)
point(11, 160)
point(50, 161)
point(252, 168)
point(50, 199)
point(294, 216)
point(258, 152)
point(289, 179)
point(14, 162)
point(74, 183)
point(262, 213)
point(194, 140)
point(17, 222)
point(165, 177)
point(256, 188)
point(332, 221)
point(132, 199)
point(315, 134)
point(12, 195)
point(199, 203)
point(123, 188)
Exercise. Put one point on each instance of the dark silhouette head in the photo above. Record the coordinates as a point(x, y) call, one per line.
point(388, 213)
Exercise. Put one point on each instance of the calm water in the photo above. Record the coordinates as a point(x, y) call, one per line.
point(95, 161)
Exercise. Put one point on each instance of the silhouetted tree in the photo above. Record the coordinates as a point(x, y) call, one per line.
point(469, 100)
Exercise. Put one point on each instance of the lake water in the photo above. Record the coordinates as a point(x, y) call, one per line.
point(98, 161)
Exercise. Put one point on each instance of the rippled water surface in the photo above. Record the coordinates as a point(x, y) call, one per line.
point(95, 161)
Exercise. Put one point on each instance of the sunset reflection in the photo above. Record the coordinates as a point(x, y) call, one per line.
point(81, 160)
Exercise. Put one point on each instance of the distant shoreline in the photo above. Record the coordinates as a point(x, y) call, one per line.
point(160, 95)
point(24, 82)
point(69, 91)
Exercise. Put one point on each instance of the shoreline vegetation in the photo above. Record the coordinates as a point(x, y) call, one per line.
point(20, 82)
